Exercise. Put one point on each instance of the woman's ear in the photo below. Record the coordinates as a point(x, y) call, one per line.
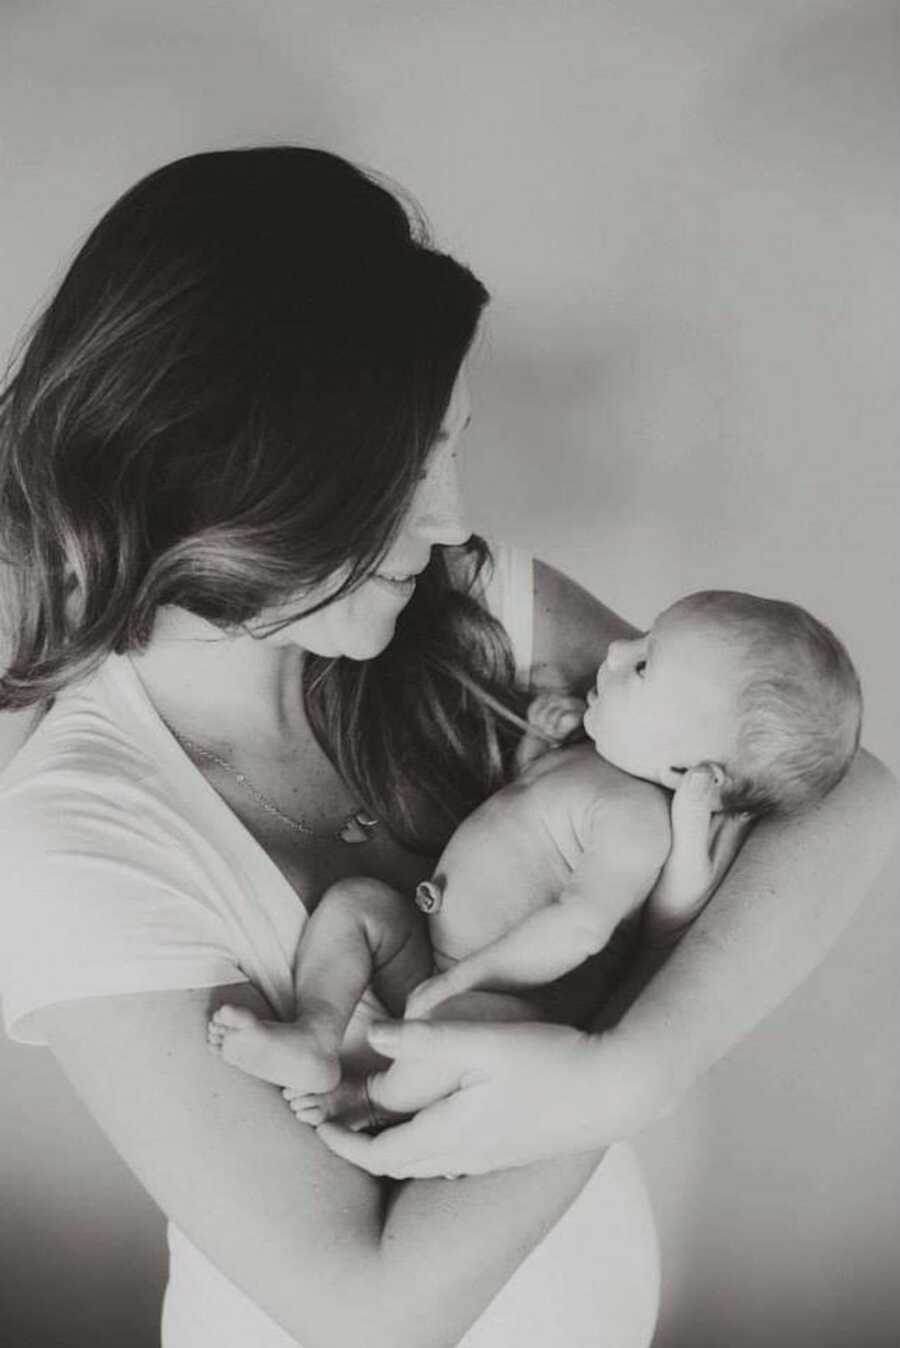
point(715, 778)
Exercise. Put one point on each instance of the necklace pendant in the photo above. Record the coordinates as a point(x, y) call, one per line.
point(358, 828)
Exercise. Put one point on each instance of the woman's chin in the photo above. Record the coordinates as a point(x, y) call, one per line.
point(368, 644)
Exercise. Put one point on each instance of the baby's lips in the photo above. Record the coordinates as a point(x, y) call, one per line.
point(430, 896)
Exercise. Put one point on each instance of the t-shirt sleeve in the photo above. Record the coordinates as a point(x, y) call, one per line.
point(84, 915)
point(508, 592)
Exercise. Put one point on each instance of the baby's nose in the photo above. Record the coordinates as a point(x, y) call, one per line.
point(615, 654)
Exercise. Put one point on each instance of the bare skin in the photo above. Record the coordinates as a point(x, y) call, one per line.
point(496, 872)
point(415, 1263)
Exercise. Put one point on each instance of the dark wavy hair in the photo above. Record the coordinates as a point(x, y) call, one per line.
point(230, 399)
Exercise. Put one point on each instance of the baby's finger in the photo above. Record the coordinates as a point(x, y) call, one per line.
point(555, 714)
point(730, 833)
point(693, 806)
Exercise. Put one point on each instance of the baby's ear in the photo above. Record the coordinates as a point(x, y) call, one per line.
point(710, 779)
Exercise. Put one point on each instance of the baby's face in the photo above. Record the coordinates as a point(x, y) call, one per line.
point(667, 700)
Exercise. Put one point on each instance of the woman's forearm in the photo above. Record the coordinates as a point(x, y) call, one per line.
point(448, 1246)
point(452, 1244)
point(331, 1254)
point(790, 893)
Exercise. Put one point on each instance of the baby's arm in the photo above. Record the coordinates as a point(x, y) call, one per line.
point(626, 844)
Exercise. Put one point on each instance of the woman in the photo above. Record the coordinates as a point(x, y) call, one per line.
point(228, 460)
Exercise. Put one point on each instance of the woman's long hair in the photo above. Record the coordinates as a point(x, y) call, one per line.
point(229, 401)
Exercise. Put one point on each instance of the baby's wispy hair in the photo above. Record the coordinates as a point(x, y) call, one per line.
point(799, 705)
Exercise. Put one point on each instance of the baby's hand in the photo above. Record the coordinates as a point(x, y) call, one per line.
point(704, 844)
point(432, 991)
point(552, 717)
point(556, 715)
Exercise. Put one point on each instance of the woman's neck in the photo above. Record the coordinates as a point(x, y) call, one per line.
point(215, 687)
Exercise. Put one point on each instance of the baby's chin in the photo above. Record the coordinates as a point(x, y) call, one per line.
point(610, 757)
point(586, 721)
point(596, 745)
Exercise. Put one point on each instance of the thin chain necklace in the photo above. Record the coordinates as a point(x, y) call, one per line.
point(358, 827)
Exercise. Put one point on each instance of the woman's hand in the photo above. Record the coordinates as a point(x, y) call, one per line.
point(526, 1092)
point(704, 844)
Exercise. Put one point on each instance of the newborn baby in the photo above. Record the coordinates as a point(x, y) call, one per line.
point(736, 703)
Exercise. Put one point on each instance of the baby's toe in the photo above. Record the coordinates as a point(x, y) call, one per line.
point(311, 1111)
point(214, 1035)
point(233, 1018)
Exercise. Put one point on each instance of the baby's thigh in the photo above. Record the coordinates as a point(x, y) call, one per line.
point(362, 906)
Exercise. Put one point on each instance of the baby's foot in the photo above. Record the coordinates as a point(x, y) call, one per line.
point(306, 1107)
point(286, 1054)
point(348, 1102)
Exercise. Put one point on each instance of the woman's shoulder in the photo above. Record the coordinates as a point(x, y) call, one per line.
point(110, 884)
point(75, 748)
point(82, 783)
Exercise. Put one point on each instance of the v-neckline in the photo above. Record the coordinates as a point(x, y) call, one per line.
point(254, 858)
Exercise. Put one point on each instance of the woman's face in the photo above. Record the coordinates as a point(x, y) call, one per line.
point(361, 624)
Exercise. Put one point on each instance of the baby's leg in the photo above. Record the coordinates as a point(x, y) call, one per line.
point(362, 931)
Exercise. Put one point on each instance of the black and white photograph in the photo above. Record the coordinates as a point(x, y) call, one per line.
point(449, 497)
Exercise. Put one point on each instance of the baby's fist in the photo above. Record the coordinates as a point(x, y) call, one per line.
point(555, 715)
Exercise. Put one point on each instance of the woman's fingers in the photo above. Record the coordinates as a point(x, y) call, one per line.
point(408, 1151)
point(528, 1091)
point(422, 1039)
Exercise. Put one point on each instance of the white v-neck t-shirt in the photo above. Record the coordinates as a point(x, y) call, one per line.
point(126, 872)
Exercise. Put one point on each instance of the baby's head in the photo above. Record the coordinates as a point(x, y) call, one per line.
point(756, 688)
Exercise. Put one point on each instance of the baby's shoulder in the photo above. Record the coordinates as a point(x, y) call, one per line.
point(588, 791)
point(579, 768)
